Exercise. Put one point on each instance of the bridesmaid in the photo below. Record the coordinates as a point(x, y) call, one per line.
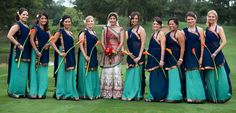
point(136, 37)
point(66, 76)
point(194, 36)
point(111, 78)
point(158, 83)
point(88, 78)
point(218, 85)
point(39, 70)
point(175, 43)
point(18, 73)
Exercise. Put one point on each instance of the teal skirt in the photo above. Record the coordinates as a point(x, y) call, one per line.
point(217, 90)
point(194, 86)
point(174, 86)
point(88, 85)
point(66, 82)
point(18, 78)
point(132, 86)
point(38, 78)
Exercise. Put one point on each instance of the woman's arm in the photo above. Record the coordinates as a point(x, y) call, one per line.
point(103, 39)
point(82, 37)
point(57, 36)
point(32, 37)
point(121, 39)
point(163, 46)
point(11, 34)
point(143, 39)
point(202, 41)
point(223, 41)
point(181, 40)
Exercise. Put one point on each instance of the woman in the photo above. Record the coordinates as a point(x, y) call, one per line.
point(88, 78)
point(19, 55)
point(112, 43)
point(175, 45)
point(66, 78)
point(194, 36)
point(136, 37)
point(157, 81)
point(217, 76)
point(39, 58)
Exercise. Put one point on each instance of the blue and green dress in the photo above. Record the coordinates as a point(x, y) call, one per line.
point(218, 86)
point(39, 70)
point(158, 83)
point(18, 76)
point(194, 83)
point(174, 72)
point(66, 75)
point(134, 72)
point(88, 83)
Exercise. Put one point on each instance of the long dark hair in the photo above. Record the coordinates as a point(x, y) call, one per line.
point(134, 13)
point(63, 19)
point(19, 12)
point(39, 16)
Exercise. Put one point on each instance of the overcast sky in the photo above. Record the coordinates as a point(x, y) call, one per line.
point(66, 3)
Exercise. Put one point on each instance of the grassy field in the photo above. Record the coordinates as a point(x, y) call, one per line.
point(50, 105)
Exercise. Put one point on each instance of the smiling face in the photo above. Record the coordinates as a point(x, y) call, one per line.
point(90, 23)
point(23, 16)
point(67, 23)
point(156, 26)
point(112, 20)
point(43, 20)
point(135, 20)
point(172, 25)
point(191, 21)
point(211, 18)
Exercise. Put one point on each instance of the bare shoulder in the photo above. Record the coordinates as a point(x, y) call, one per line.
point(220, 28)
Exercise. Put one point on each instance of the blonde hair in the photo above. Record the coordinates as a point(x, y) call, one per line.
point(211, 12)
point(87, 18)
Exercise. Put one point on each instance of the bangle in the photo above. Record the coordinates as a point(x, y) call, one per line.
point(18, 44)
point(180, 59)
point(36, 51)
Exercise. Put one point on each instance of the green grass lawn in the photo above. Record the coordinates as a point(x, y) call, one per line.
point(50, 105)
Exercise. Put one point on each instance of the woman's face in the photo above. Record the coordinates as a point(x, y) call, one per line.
point(43, 20)
point(172, 25)
point(191, 21)
point(211, 18)
point(135, 20)
point(112, 20)
point(67, 23)
point(24, 16)
point(90, 23)
point(156, 26)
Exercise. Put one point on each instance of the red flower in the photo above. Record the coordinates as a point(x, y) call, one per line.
point(203, 44)
point(193, 51)
point(169, 50)
point(146, 53)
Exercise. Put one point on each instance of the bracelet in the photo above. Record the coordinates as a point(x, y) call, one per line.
point(36, 51)
point(181, 59)
point(18, 44)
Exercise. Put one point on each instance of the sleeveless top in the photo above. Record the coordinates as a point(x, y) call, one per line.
point(134, 46)
point(173, 45)
point(192, 41)
point(212, 41)
point(42, 37)
point(155, 50)
point(21, 37)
